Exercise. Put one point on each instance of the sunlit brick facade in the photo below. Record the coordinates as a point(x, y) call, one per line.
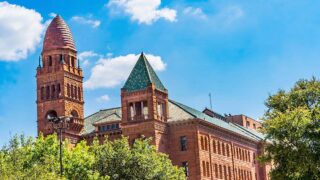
point(207, 144)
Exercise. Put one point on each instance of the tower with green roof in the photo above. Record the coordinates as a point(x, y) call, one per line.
point(144, 102)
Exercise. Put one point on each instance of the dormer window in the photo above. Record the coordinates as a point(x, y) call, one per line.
point(108, 127)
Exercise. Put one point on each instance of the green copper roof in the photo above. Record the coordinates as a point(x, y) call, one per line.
point(177, 112)
point(105, 115)
point(142, 76)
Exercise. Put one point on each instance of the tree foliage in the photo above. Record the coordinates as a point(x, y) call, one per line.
point(292, 126)
point(28, 158)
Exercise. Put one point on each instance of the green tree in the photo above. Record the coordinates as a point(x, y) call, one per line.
point(292, 126)
point(28, 158)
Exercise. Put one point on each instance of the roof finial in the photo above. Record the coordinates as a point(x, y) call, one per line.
point(39, 66)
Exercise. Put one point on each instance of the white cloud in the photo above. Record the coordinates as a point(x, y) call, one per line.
point(144, 11)
point(86, 56)
point(104, 98)
point(230, 14)
point(112, 71)
point(86, 21)
point(52, 14)
point(196, 12)
point(20, 31)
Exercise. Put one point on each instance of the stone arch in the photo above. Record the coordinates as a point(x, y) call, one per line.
point(51, 114)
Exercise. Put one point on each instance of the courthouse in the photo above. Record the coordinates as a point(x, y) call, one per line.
point(206, 144)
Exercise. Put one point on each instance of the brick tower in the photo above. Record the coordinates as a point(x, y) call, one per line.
point(59, 81)
point(144, 102)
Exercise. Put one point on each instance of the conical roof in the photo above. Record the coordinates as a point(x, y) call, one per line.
point(142, 76)
point(58, 35)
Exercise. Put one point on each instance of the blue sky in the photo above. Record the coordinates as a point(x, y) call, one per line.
point(240, 51)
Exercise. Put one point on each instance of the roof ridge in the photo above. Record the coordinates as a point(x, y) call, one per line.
point(114, 113)
point(147, 66)
point(179, 105)
point(109, 109)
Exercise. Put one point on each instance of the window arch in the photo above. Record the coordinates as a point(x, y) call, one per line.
point(53, 91)
point(58, 90)
point(42, 93)
point(74, 114)
point(79, 93)
point(75, 92)
point(72, 93)
point(68, 90)
point(214, 146)
point(50, 61)
point(48, 92)
point(51, 115)
point(223, 149)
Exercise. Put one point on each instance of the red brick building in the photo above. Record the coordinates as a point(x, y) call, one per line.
point(207, 144)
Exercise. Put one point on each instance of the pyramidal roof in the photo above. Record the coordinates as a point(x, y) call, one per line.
point(142, 76)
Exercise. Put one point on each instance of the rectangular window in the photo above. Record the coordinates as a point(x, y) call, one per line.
point(131, 111)
point(108, 127)
point(185, 166)
point(145, 109)
point(254, 126)
point(208, 169)
point(113, 126)
point(159, 109)
point(59, 91)
point(183, 143)
point(204, 168)
point(138, 108)
point(248, 124)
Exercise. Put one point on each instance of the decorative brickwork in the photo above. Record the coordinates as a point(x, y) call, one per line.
point(206, 144)
point(59, 81)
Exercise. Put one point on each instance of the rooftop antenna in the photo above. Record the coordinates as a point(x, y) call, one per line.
point(210, 101)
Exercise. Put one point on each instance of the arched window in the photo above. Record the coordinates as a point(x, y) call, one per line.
point(229, 172)
point(79, 93)
point(68, 90)
point(219, 149)
point(50, 61)
point(58, 90)
point(223, 149)
point(220, 171)
point(206, 143)
point(204, 168)
point(202, 143)
point(42, 93)
point(74, 114)
point(228, 150)
point(48, 92)
point(216, 170)
point(72, 62)
point(214, 146)
point(208, 169)
point(75, 92)
point(51, 115)
point(53, 91)
point(72, 93)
